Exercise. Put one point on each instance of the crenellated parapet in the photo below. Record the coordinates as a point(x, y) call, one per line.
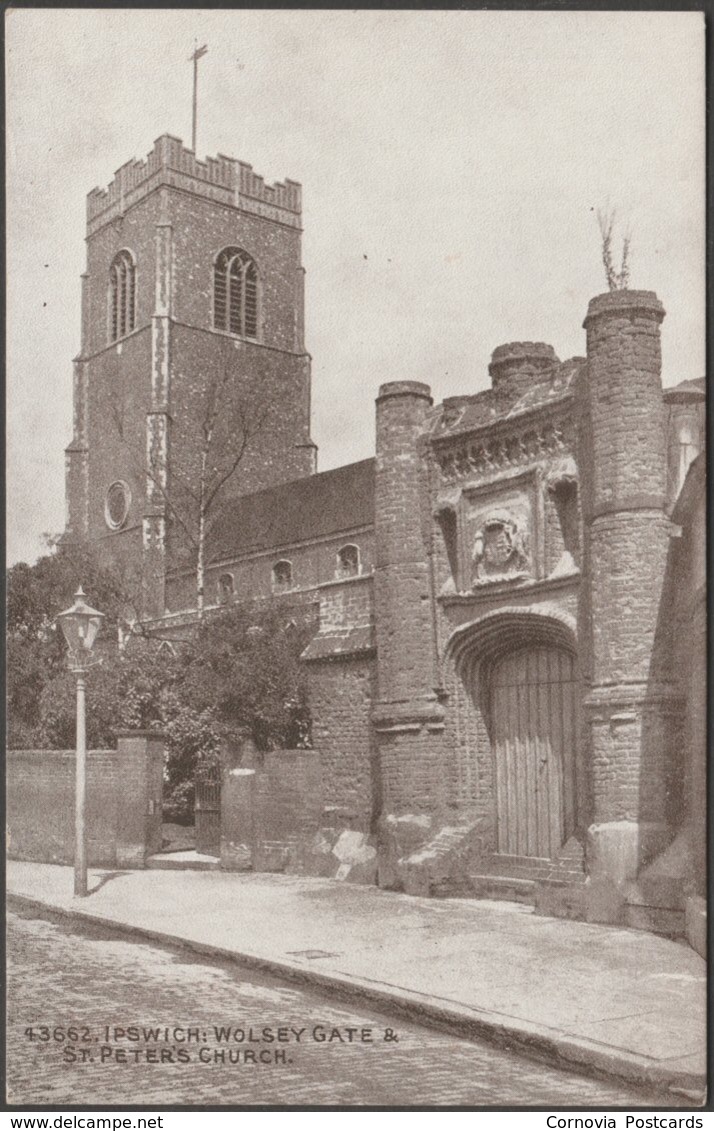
point(224, 180)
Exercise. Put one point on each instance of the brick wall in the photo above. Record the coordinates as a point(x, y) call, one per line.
point(314, 564)
point(271, 811)
point(123, 811)
point(342, 693)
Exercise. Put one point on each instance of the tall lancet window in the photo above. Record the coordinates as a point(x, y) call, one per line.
point(235, 293)
point(122, 295)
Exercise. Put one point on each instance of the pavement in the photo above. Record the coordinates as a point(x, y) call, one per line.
point(601, 999)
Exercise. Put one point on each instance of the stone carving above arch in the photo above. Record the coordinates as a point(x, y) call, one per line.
point(501, 548)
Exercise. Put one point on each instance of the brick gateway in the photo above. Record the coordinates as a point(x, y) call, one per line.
point(498, 680)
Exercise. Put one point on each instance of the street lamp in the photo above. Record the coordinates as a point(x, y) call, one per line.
point(80, 625)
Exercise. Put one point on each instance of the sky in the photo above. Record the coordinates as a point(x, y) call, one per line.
point(452, 166)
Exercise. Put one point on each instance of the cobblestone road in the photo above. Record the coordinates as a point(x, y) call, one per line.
point(59, 978)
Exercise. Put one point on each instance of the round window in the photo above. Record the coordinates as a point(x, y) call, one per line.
point(116, 505)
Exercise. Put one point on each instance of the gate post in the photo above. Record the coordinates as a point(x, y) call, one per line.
point(630, 701)
point(408, 718)
point(140, 757)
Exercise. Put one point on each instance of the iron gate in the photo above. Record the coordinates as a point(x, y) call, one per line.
point(207, 809)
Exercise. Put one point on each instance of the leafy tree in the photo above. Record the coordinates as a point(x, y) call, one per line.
point(239, 675)
point(36, 650)
point(125, 692)
point(246, 664)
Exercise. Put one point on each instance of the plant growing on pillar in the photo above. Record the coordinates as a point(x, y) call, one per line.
point(616, 280)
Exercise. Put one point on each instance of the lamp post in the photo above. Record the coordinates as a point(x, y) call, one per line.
point(80, 625)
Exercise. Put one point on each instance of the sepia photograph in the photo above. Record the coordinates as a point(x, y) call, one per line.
point(356, 561)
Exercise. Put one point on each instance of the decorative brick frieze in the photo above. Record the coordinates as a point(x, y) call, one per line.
point(487, 455)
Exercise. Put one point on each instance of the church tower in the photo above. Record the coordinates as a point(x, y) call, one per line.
point(192, 326)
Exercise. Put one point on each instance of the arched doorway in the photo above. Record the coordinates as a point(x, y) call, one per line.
point(533, 694)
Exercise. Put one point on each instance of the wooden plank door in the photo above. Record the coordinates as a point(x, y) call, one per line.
point(533, 717)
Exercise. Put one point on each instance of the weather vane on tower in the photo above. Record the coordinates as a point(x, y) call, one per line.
point(197, 53)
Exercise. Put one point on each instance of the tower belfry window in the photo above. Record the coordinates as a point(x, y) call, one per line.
point(235, 293)
point(122, 295)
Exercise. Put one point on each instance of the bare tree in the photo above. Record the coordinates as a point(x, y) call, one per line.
point(224, 428)
point(616, 280)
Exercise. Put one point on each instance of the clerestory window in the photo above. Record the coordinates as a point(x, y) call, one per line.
point(225, 588)
point(122, 295)
point(282, 575)
point(348, 561)
point(235, 293)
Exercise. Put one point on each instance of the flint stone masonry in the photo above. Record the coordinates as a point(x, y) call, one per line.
point(342, 693)
point(149, 392)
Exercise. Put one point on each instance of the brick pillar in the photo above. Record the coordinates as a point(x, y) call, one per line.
point(407, 717)
point(629, 702)
point(140, 772)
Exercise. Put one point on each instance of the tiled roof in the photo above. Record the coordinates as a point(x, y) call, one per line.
point(692, 390)
point(313, 507)
point(344, 642)
point(462, 414)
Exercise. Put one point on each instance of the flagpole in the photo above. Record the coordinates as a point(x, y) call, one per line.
point(198, 52)
point(195, 101)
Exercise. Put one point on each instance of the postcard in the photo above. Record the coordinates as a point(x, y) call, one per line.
point(356, 535)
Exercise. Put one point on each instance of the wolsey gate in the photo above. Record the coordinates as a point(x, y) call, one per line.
point(495, 679)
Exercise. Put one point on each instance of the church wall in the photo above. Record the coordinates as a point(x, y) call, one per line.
point(136, 231)
point(117, 398)
point(314, 565)
point(201, 229)
point(252, 384)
